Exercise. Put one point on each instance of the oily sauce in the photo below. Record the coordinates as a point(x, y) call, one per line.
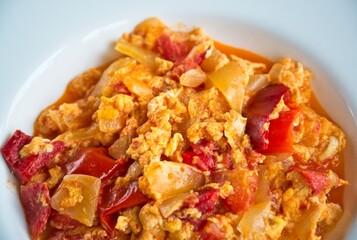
point(336, 194)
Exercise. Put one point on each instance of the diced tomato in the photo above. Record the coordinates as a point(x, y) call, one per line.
point(317, 179)
point(280, 135)
point(68, 235)
point(171, 50)
point(201, 155)
point(253, 158)
point(201, 161)
point(35, 198)
point(245, 186)
point(62, 221)
point(118, 199)
point(211, 232)
point(187, 64)
point(207, 200)
point(13, 146)
point(258, 110)
point(97, 163)
point(120, 88)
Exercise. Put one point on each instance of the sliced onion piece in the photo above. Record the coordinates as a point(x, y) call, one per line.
point(193, 78)
point(253, 222)
point(172, 204)
point(165, 179)
point(142, 55)
point(230, 80)
point(77, 197)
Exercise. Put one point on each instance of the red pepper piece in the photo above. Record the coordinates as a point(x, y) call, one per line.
point(96, 162)
point(13, 146)
point(114, 200)
point(280, 135)
point(258, 110)
point(30, 165)
point(245, 186)
point(35, 199)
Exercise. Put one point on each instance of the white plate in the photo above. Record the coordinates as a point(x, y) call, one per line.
point(43, 46)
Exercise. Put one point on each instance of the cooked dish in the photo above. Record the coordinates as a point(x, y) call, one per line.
point(178, 138)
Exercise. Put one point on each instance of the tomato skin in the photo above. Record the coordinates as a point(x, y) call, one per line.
point(171, 50)
point(95, 162)
point(201, 155)
point(116, 199)
point(316, 178)
point(280, 134)
point(259, 108)
point(207, 200)
point(62, 221)
point(211, 232)
point(245, 186)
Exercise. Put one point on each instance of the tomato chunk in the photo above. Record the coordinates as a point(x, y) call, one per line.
point(116, 199)
point(258, 110)
point(317, 179)
point(211, 232)
point(35, 198)
point(95, 162)
point(207, 200)
point(170, 49)
point(280, 134)
point(186, 65)
point(201, 155)
point(62, 221)
point(245, 186)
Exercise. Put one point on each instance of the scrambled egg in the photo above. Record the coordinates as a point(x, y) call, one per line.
point(158, 107)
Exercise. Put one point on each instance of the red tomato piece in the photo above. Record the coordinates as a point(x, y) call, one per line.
point(171, 50)
point(317, 179)
point(187, 64)
point(35, 198)
point(245, 186)
point(95, 162)
point(120, 88)
point(204, 162)
point(13, 146)
point(259, 108)
point(207, 200)
point(280, 135)
point(211, 232)
point(115, 200)
point(62, 221)
point(201, 155)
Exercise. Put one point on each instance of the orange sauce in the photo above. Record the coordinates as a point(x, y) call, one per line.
point(336, 195)
point(242, 53)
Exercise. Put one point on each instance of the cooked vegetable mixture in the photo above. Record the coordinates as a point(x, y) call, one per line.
point(176, 139)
